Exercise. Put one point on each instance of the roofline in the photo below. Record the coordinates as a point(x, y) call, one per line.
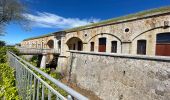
point(122, 20)
point(131, 17)
point(37, 37)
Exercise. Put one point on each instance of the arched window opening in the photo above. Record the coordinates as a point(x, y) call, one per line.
point(50, 44)
point(75, 44)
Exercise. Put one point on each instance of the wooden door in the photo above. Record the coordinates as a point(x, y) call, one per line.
point(141, 47)
point(102, 44)
point(91, 46)
point(163, 44)
point(114, 47)
point(163, 49)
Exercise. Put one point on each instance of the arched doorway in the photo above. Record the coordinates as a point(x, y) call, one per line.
point(163, 44)
point(50, 44)
point(75, 44)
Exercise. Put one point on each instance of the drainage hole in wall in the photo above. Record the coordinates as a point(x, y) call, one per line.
point(124, 72)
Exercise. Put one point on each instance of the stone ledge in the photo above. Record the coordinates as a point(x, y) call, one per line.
point(144, 57)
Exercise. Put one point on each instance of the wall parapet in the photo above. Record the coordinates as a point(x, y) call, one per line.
point(144, 57)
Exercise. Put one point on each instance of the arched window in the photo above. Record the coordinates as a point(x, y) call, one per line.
point(50, 44)
point(141, 47)
point(75, 43)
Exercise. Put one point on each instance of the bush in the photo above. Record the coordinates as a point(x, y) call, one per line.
point(7, 83)
point(8, 90)
point(34, 60)
point(2, 43)
point(3, 50)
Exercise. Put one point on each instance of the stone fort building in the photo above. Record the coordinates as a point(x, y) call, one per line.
point(144, 33)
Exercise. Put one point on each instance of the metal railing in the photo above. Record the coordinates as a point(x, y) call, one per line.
point(31, 84)
point(23, 50)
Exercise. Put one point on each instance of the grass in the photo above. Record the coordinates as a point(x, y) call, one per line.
point(113, 20)
point(136, 15)
point(46, 35)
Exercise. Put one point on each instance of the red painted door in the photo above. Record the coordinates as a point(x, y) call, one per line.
point(102, 44)
point(163, 44)
point(163, 49)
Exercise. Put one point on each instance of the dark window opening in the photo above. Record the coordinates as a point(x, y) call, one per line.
point(141, 47)
point(92, 46)
point(59, 44)
point(79, 45)
point(163, 38)
point(114, 47)
point(102, 44)
point(74, 46)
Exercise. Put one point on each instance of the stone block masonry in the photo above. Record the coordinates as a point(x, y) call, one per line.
point(121, 77)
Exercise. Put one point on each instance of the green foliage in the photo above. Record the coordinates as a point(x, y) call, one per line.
point(7, 85)
point(57, 76)
point(2, 43)
point(12, 11)
point(8, 90)
point(54, 74)
point(34, 60)
point(3, 50)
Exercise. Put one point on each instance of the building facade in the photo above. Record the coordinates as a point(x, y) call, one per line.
point(144, 33)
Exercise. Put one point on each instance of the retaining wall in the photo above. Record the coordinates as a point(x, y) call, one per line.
point(121, 77)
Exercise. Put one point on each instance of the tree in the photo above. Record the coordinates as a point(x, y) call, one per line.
point(2, 43)
point(10, 10)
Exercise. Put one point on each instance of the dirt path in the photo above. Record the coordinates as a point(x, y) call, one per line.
point(88, 94)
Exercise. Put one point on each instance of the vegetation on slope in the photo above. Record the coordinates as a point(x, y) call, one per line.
point(8, 90)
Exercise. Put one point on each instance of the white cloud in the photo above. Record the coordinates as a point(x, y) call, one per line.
point(49, 20)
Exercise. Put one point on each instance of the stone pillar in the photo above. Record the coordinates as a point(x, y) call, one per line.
point(63, 47)
point(43, 61)
point(55, 43)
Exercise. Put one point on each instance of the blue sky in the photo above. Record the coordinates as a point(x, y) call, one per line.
point(48, 16)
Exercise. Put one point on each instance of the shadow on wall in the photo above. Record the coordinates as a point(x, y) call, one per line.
point(53, 63)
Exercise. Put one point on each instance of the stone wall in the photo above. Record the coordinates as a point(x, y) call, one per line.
point(121, 77)
point(41, 42)
point(141, 28)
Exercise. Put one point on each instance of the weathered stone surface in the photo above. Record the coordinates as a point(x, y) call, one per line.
point(121, 78)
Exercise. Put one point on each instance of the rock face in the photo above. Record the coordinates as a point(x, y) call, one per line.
point(122, 77)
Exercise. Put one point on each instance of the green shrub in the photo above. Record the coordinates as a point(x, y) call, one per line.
point(57, 76)
point(7, 83)
point(3, 50)
point(34, 60)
